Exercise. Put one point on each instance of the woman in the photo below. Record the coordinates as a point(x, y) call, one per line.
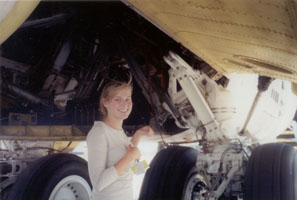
point(110, 152)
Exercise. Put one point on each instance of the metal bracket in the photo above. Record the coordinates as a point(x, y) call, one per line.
point(185, 75)
point(227, 180)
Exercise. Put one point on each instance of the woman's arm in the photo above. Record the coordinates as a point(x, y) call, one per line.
point(100, 176)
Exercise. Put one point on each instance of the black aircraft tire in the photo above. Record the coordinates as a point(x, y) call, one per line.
point(271, 173)
point(166, 177)
point(38, 181)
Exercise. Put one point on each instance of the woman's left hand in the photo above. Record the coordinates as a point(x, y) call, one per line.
point(145, 131)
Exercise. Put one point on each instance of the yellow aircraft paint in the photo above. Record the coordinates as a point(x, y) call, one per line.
point(17, 15)
point(231, 35)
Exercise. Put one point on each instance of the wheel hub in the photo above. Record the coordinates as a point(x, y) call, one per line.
point(196, 188)
point(71, 188)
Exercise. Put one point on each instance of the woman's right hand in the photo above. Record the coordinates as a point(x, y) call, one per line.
point(134, 152)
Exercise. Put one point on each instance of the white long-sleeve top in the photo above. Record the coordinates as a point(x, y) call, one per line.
point(106, 146)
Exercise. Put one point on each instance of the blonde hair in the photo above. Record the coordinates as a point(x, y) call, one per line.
point(109, 91)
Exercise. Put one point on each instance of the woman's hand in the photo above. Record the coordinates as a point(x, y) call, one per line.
point(134, 152)
point(144, 131)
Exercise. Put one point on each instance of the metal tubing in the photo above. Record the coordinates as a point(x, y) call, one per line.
point(32, 98)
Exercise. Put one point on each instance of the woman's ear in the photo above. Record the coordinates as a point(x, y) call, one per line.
point(104, 102)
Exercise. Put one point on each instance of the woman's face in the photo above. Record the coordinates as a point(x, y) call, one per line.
point(119, 105)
